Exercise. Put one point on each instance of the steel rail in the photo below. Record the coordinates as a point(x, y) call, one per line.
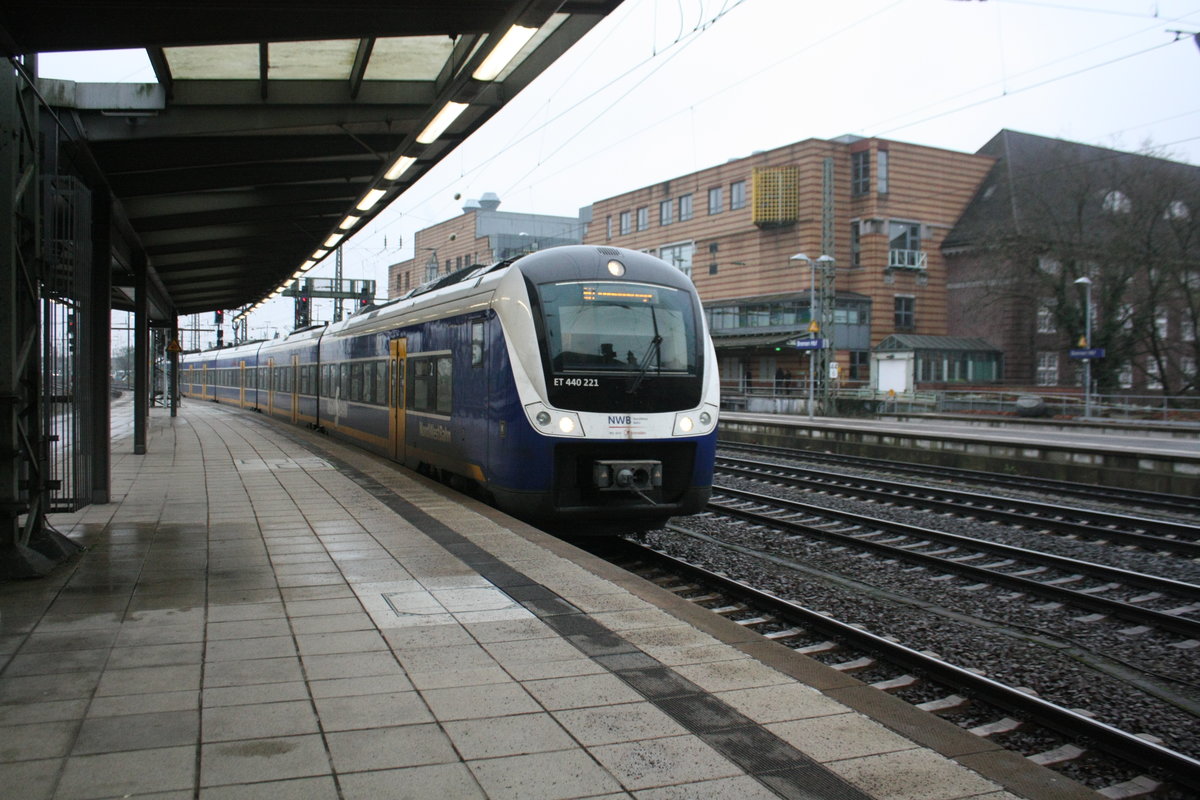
point(1181, 625)
point(962, 503)
point(1161, 500)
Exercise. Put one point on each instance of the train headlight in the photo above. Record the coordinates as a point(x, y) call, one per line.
point(616, 268)
point(693, 423)
point(552, 422)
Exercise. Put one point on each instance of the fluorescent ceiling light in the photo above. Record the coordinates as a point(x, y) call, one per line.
point(333, 240)
point(370, 199)
point(399, 167)
point(348, 223)
point(511, 44)
point(319, 254)
point(444, 119)
point(307, 265)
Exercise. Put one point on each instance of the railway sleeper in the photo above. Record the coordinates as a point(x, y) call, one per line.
point(865, 662)
point(1059, 755)
point(759, 620)
point(952, 702)
point(818, 648)
point(897, 683)
point(1005, 725)
point(790, 633)
point(1140, 786)
point(725, 611)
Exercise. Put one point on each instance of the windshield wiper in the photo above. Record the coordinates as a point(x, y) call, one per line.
point(645, 363)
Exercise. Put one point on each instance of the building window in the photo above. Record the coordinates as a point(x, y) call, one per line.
point(608, 227)
point(679, 256)
point(860, 172)
point(855, 244)
point(860, 365)
point(1153, 376)
point(881, 180)
point(716, 200)
point(904, 245)
point(737, 195)
point(1125, 376)
point(666, 211)
point(626, 222)
point(1161, 326)
point(643, 218)
point(906, 312)
point(1045, 317)
point(1116, 202)
point(685, 207)
point(1047, 369)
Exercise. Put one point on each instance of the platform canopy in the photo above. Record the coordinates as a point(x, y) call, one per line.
point(277, 128)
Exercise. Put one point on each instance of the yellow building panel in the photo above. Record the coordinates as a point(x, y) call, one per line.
point(776, 198)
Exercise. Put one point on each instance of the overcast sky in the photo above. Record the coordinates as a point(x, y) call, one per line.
point(663, 88)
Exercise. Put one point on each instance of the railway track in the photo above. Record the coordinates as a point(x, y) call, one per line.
point(1152, 535)
point(1077, 736)
point(947, 553)
point(1150, 501)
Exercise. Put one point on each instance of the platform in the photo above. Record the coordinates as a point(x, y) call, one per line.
point(1148, 459)
point(264, 613)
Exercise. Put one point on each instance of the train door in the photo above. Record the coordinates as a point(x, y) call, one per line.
point(294, 387)
point(241, 384)
point(398, 351)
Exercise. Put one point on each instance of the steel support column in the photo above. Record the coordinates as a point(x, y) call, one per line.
point(98, 340)
point(141, 351)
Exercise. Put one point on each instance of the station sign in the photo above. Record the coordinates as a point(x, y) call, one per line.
point(807, 344)
point(1086, 352)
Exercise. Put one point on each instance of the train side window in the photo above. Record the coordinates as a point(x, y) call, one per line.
point(445, 384)
point(356, 382)
point(381, 383)
point(344, 382)
point(421, 385)
point(477, 343)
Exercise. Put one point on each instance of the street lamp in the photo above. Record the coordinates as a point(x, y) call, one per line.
point(812, 320)
point(1086, 283)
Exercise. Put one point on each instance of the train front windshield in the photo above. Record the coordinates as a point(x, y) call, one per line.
point(629, 328)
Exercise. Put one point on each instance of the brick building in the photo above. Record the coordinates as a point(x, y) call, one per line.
point(880, 208)
point(1052, 215)
point(482, 234)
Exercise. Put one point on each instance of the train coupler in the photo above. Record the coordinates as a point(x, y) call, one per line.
point(627, 476)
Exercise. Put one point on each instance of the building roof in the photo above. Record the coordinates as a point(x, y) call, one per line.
point(1035, 178)
point(913, 341)
point(740, 340)
point(778, 298)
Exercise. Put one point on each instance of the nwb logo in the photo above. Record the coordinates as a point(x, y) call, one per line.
point(620, 420)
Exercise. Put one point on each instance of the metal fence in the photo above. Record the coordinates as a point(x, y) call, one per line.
point(791, 398)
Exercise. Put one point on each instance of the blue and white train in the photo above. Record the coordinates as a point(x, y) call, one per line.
point(574, 385)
